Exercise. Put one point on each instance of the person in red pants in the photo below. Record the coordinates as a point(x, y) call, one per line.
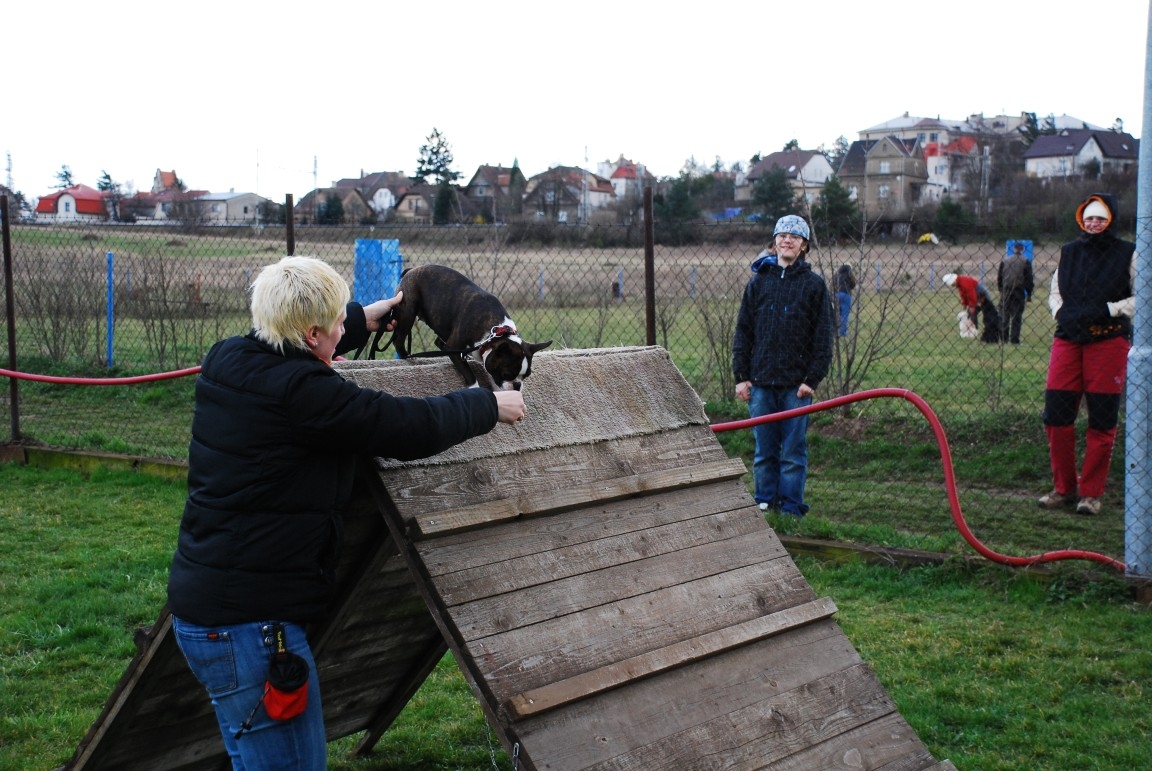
point(1091, 300)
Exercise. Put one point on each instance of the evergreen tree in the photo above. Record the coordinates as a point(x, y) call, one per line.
point(435, 160)
point(772, 195)
point(951, 220)
point(64, 178)
point(107, 185)
point(331, 212)
point(835, 214)
point(675, 212)
point(1032, 128)
point(442, 206)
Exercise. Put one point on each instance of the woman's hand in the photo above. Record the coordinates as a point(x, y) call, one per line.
point(511, 406)
point(379, 310)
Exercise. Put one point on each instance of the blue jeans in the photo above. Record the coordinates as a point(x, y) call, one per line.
point(780, 466)
point(231, 662)
point(845, 299)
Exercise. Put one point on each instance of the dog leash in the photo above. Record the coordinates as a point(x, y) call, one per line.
point(497, 332)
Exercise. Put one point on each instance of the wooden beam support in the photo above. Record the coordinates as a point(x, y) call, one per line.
point(605, 678)
point(553, 501)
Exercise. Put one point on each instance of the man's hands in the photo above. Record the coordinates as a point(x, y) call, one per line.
point(379, 313)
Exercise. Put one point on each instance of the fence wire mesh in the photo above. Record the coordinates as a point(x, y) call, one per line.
point(122, 300)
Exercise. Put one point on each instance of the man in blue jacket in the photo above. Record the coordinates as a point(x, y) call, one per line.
point(781, 351)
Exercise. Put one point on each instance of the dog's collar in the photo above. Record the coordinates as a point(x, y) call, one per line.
point(497, 332)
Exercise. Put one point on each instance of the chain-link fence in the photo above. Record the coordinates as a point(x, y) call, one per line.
point(118, 300)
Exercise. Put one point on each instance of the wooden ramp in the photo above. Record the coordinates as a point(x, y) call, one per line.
point(608, 587)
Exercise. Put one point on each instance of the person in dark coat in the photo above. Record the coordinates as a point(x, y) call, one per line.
point(276, 435)
point(781, 351)
point(1014, 279)
point(1092, 301)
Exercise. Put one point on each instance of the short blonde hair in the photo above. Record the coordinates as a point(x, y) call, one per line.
point(293, 295)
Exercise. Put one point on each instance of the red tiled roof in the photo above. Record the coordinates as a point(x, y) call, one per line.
point(88, 200)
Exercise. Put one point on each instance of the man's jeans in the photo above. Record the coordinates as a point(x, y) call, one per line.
point(780, 466)
point(231, 662)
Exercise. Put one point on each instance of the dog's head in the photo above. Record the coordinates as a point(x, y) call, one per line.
point(508, 360)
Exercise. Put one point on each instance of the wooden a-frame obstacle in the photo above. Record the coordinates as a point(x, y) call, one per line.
point(609, 589)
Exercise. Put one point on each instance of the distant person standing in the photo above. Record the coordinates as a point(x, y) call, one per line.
point(781, 350)
point(844, 282)
point(1015, 281)
point(1092, 302)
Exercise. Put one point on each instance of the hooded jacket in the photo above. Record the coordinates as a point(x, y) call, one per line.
point(276, 438)
point(784, 327)
point(1094, 270)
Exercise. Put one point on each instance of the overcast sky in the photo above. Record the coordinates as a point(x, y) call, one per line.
point(284, 97)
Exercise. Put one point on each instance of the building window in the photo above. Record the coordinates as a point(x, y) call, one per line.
point(933, 137)
point(883, 191)
point(215, 208)
point(885, 167)
point(920, 137)
point(67, 207)
point(853, 192)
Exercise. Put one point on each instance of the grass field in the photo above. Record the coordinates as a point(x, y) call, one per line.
point(995, 670)
point(875, 468)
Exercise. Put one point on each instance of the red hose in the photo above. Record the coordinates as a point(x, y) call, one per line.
point(875, 393)
point(99, 380)
point(949, 475)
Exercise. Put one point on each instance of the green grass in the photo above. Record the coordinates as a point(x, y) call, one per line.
point(993, 669)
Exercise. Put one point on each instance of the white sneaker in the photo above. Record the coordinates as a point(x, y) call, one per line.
point(763, 507)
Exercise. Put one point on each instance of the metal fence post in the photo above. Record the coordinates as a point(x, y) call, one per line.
point(111, 333)
point(1138, 476)
point(10, 306)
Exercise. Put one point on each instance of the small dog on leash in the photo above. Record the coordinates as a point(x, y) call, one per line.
point(469, 323)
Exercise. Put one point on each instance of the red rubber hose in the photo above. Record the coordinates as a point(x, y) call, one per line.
point(99, 380)
point(875, 393)
point(949, 475)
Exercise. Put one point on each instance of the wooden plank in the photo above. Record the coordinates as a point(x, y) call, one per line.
point(508, 544)
point(659, 709)
point(678, 654)
point(887, 743)
point(422, 488)
point(841, 709)
point(526, 571)
point(554, 501)
point(620, 572)
point(527, 658)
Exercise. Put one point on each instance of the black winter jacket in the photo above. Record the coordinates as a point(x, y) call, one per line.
point(784, 327)
point(1094, 270)
point(275, 441)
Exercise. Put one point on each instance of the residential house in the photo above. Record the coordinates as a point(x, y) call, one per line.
point(805, 170)
point(230, 208)
point(568, 194)
point(381, 189)
point(628, 179)
point(957, 152)
point(418, 206)
point(76, 204)
point(1072, 152)
point(950, 146)
point(169, 199)
point(311, 207)
point(887, 176)
point(497, 191)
